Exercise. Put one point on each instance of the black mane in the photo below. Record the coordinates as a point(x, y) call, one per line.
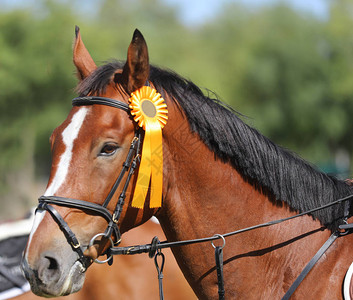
point(273, 170)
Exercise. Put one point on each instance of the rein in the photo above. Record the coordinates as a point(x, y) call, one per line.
point(154, 249)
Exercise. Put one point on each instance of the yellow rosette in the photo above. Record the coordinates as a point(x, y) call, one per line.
point(150, 112)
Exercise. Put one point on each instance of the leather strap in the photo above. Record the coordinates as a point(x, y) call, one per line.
point(219, 266)
point(311, 264)
point(70, 236)
point(137, 249)
point(83, 205)
point(134, 148)
point(90, 100)
point(76, 203)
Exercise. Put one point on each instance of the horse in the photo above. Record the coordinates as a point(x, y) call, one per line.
point(103, 281)
point(218, 175)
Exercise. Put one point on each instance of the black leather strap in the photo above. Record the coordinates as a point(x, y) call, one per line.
point(219, 267)
point(70, 236)
point(76, 203)
point(311, 264)
point(83, 205)
point(90, 100)
point(137, 249)
point(134, 147)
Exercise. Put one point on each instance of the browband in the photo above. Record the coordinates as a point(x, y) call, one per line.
point(90, 100)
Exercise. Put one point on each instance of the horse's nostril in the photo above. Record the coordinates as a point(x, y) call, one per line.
point(48, 269)
point(53, 264)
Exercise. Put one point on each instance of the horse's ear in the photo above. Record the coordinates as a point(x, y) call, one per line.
point(137, 68)
point(82, 59)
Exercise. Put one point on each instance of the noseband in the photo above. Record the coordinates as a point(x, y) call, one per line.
point(130, 164)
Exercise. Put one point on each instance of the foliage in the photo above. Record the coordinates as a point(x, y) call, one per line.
point(291, 73)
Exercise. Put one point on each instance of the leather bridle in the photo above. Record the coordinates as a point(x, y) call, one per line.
point(130, 164)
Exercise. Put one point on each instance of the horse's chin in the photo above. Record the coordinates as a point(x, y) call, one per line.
point(69, 284)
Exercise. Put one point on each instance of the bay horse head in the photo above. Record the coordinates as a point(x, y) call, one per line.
point(94, 154)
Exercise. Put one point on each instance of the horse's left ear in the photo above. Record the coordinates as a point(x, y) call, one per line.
point(82, 59)
point(137, 68)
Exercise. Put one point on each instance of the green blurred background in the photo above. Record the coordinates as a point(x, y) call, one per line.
point(288, 70)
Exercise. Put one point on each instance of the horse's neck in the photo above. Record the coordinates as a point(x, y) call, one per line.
point(199, 189)
point(204, 196)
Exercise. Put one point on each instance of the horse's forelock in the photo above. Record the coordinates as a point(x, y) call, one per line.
point(97, 82)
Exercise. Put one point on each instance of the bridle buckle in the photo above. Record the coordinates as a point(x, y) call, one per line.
point(115, 219)
point(117, 242)
point(76, 246)
point(128, 250)
point(134, 140)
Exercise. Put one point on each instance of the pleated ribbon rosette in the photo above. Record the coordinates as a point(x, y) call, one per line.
point(150, 112)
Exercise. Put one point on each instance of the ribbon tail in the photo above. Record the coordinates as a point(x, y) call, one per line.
point(156, 165)
point(143, 178)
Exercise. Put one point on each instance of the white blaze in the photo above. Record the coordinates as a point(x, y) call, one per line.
point(68, 135)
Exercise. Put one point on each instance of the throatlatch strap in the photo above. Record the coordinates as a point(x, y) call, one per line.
point(219, 266)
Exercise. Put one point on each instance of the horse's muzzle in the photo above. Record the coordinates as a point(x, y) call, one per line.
point(52, 278)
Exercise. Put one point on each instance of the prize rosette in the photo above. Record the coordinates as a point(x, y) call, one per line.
point(149, 112)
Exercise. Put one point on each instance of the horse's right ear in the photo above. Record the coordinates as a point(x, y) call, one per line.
point(82, 59)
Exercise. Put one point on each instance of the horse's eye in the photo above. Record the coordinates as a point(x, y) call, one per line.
point(108, 149)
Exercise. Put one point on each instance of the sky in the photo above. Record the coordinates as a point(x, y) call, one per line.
point(194, 12)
